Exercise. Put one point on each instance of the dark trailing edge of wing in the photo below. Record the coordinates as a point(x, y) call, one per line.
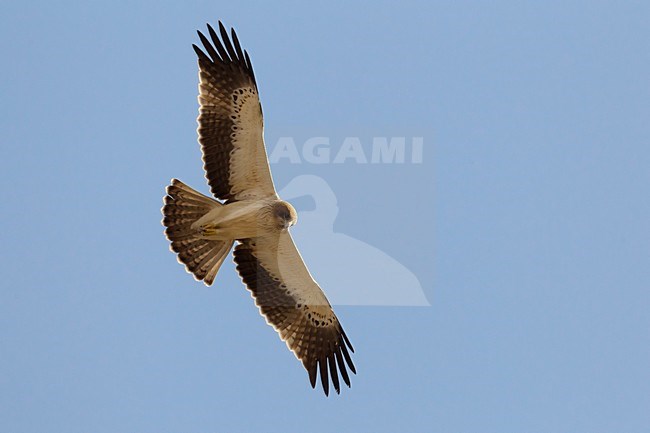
point(222, 50)
point(328, 360)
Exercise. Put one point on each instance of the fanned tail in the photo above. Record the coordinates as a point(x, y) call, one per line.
point(184, 206)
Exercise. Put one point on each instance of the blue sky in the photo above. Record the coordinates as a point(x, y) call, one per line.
point(527, 223)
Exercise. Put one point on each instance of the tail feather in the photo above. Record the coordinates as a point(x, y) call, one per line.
point(184, 206)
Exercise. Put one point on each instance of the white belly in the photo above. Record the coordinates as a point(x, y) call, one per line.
point(238, 220)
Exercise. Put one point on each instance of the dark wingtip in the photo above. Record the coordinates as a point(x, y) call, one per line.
point(209, 48)
point(238, 50)
point(222, 28)
point(324, 377)
point(311, 368)
point(224, 48)
point(335, 378)
point(198, 51)
point(347, 357)
point(345, 337)
point(210, 29)
point(226, 42)
point(312, 376)
point(342, 369)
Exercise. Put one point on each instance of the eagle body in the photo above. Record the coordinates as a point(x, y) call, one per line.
point(246, 219)
point(247, 211)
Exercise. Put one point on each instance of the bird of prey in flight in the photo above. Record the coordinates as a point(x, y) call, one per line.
point(247, 211)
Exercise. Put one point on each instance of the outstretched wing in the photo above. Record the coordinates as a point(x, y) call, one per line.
point(295, 306)
point(230, 120)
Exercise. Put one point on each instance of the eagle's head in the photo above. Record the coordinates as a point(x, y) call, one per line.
point(285, 215)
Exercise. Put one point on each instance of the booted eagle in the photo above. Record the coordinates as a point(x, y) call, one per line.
point(248, 211)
